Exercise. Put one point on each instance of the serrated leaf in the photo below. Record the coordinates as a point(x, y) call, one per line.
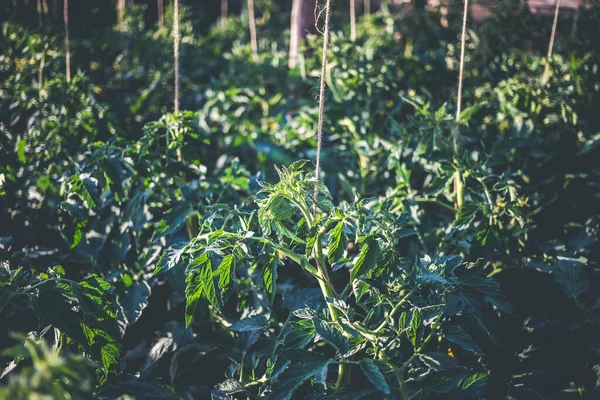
point(570, 276)
point(193, 293)
point(312, 236)
point(269, 276)
point(134, 300)
point(367, 259)
point(301, 366)
point(372, 372)
point(332, 336)
point(208, 285)
point(170, 258)
point(456, 334)
point(473, 379)
point(256, 323)
point(109, 354)
point(224, 271)
point(415, 323)
point(337, 243)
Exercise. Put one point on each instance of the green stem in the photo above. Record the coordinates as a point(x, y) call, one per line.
point(459, 188)
point(435, 201)
point(395, 310)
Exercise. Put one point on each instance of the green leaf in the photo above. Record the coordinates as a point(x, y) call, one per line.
point(477, 379)
point(21, 150)
point(332, 336)
point(301, 366)
point(337, 243)
point(109, 354)
point(224, 272)
point(174, 220)
point(456, 334)
point(269, 276)
point(372, 372)
point(415, 323)
point(256, 323)
point(312, 236)
point(170, 258)
point(134, 300)
point(570, 276)
point(208, 285)
point(193, 293)
point(367, 259)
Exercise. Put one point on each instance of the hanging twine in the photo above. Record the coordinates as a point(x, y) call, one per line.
point(67, 52)
point(320, 267)
point(551, 45)
point(322, 101)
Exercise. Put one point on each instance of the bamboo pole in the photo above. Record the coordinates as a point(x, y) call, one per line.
point(551, 45)
point(160, 4)
point(459, 188)
point(224, 11)
point(352, 20)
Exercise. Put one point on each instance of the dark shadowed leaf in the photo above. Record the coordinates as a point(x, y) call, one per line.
point(373, 373)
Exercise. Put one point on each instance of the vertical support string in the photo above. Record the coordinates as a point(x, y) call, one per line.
point(322, 101)
point(67, 51)
point(458, 179)
point(551, 45)
point(176, 54)
point(176, 67)
point(252, 24)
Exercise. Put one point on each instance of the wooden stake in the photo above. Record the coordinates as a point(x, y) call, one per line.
point(224, 11)
point(67, 51)
point(45, 4)
point(39, 11)
point(367, 7)
point(252, 25)
point(352, 21)
point(458, 179)
point(160, 4)
point(121, 15)
point(551, 45)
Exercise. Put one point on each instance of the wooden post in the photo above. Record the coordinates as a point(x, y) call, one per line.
point(301, 22)
point(160, 4)
point(39, 11)
point(224, 11)
point(551, 45)
point(252, 24)
point(352, 21)
point(459, 188)
point(67, 51)
point(367, 7)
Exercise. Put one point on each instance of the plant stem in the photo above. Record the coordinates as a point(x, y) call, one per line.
point(395, 310)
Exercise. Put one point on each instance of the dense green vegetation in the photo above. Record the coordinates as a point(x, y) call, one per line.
point(158, 255)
